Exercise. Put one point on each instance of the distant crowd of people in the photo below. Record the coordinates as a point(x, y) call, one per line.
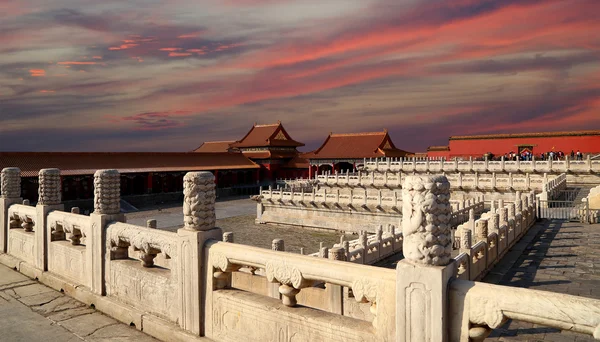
point(528, 156)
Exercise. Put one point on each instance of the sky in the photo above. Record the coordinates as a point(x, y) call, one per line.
point(88, 75)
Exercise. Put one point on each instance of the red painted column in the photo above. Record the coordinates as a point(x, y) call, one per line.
point(149, 183)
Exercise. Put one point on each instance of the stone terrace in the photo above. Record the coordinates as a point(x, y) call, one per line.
point(31, 311)
point(557, 256)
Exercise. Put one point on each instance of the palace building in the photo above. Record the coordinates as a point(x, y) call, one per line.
point(587, 142)
point(269, 146)
point(141, 172)
point(341, 152)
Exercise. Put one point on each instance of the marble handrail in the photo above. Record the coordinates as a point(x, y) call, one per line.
point(537, 166)
point(302, 266)
point(70, 221)
point(492, 305)
point(150, 241)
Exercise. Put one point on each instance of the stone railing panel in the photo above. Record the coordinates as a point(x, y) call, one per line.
point(142, 282)
point(21, 239)
point(68, 240)
point(298, 272)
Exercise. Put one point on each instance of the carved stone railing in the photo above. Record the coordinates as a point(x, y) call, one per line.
point(369, 249)
point(505, 166)
point(294, 273)
point(69, 248)
point(482, 243)
point(459, 180)
point(461, 213)
point(477, 308)
point(355, 200)
point(177, 285)
point(154, 265)
point(22, 232)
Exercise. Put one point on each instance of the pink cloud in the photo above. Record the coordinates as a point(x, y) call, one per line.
point(37, 72)
point(76, 63)
point(179, 54)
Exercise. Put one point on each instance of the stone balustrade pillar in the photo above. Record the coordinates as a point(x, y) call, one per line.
point(198, 228)
point(49, 199)
point(337, 253)
point(511, 210)
point(11, 194)
point(494, 223)
point(482, 230)
point(278, 245)
point(466, 241)
point(107, 209)
point(228, 237)
point(503, 213)
point(423, 276)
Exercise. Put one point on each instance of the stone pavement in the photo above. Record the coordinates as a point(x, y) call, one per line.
point(238, 216)
point(555, 256)
point(173, 216)
point(30, 311)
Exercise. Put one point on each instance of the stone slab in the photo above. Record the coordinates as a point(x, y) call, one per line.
point(41, 298)
point(61, 303)
point(118, 333)
point(68, 314)
point(34, 312)
point(560, 257)
point(87, 324)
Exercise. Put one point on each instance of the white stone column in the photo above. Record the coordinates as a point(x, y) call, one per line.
point(11, 194)
point(199, 227)
point(424, 274)
point(336, 292)
point(482, 230)
point(107, 209)
point(49, 199)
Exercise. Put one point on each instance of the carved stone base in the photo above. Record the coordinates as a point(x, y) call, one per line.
point(421, 301)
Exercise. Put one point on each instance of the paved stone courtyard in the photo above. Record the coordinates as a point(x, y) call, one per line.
point(238, 216)
point(555, 256)
point(31, 311)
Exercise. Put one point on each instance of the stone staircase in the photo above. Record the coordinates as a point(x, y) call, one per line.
point(583, 190)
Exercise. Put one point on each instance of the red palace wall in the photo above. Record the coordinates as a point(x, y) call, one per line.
point(478, 147)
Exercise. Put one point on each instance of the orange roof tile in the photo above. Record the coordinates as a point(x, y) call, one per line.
point(215, 146)
point(84, 163)
point(524, 135)
point(356, 146)
point(267, 135)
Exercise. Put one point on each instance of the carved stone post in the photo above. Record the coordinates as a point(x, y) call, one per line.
point(336, 293)
point(11, 194)
point(424, 274)
point(228, 237)
point(466, 241)
point(107, 209)
point(482, 230)
point(494, 223)
point(278, 245)
point(199, 228)
point(49, 199)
